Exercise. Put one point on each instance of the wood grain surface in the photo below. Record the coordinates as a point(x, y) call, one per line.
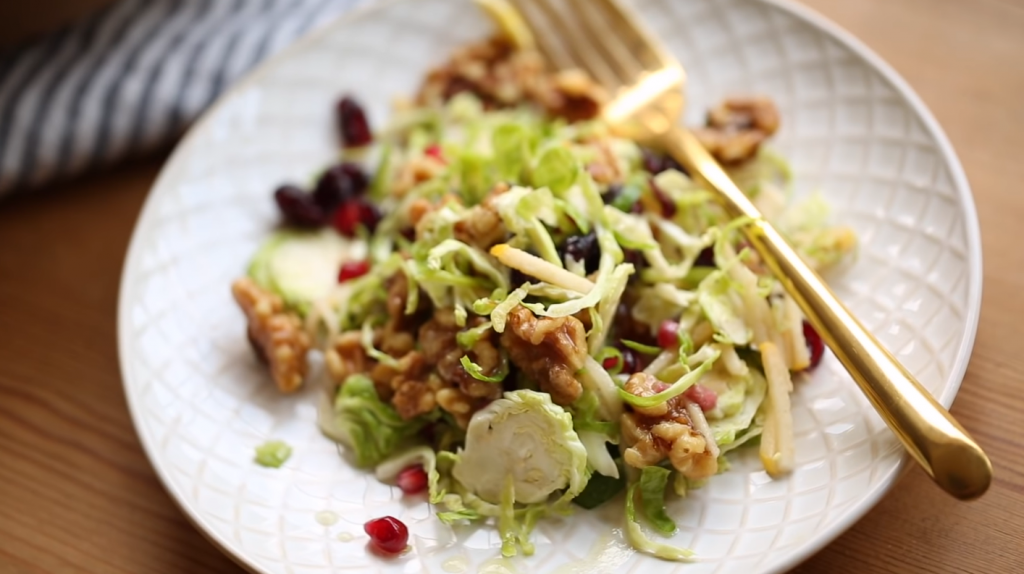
point(77, 493)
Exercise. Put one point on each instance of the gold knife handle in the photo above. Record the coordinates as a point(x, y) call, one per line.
point(930, 434)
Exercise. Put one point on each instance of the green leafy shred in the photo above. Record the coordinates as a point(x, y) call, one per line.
point(371, 428)
point(653, 480)
point(273, 453)
point(477, 372)
point(640, 541)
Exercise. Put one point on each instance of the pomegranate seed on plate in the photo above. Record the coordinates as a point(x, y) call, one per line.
point(668, 334)
point(705, 398)
point(814, 344)
point(412, 480)
point(353, 269)
point(352, 123)
point(388, 534)
point(298, 207)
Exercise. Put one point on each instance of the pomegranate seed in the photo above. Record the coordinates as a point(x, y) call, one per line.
point(351, 214)
point(412, 480)
point(609, 363)
point(388, 534)
point(814, 344)
point(668, 334)
point(369, 215)
point(298, 207)
point(705, 398)
point(352, 123)
point(434, 151)
point(346, 219)
point(339, 184)
point(353, 269)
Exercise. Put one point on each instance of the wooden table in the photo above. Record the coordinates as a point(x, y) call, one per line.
point(77, 493)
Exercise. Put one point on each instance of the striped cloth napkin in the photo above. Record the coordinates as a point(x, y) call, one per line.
point(130, 78)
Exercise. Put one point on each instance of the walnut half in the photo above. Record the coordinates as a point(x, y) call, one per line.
point(549, 350)
point(736, 127)
point(277, 335)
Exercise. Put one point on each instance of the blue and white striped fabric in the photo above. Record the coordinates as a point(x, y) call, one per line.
point(130, 78)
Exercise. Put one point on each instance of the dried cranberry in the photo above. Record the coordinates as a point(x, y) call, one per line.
point(388, 534)
point(668, 207)
point(668, 334)
point(656, 162)
point(339, 184)
point(352, 124)
point(653, 161)
point(584, 248)
point(353, 269)
point(706, 258)
point(635, 257)
point(412, 480)
point(814, 344)
point(612, 193)
point(352, 213)
point(705, 398)
point(298, 207)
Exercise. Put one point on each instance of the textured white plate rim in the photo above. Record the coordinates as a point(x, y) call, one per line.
point(802, 552)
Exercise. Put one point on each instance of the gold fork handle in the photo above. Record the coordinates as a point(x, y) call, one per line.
point(931, 435)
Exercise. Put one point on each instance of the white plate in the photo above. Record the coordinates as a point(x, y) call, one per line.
point(851, 127)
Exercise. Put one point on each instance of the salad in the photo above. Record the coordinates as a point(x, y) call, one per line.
point(522, 314)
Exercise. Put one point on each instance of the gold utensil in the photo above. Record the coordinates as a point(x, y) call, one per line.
point(646, 82)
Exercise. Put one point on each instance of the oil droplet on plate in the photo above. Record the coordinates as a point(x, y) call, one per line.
point(456, 565)
point(346, 536)
point(498, 566)
point(326, 517)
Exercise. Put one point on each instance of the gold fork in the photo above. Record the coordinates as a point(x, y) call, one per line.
point(607, 41)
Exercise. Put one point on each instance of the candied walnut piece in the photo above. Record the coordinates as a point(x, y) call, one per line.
point(345, 356)
point(460, 405)
point(278, 335)
point(579, 97)
point(501, 76)
point(482, 226)
point(643, 385)
point(548, 350)
point(412, 398)
point(736, 128)
point(650, 440)
point(439, 345)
